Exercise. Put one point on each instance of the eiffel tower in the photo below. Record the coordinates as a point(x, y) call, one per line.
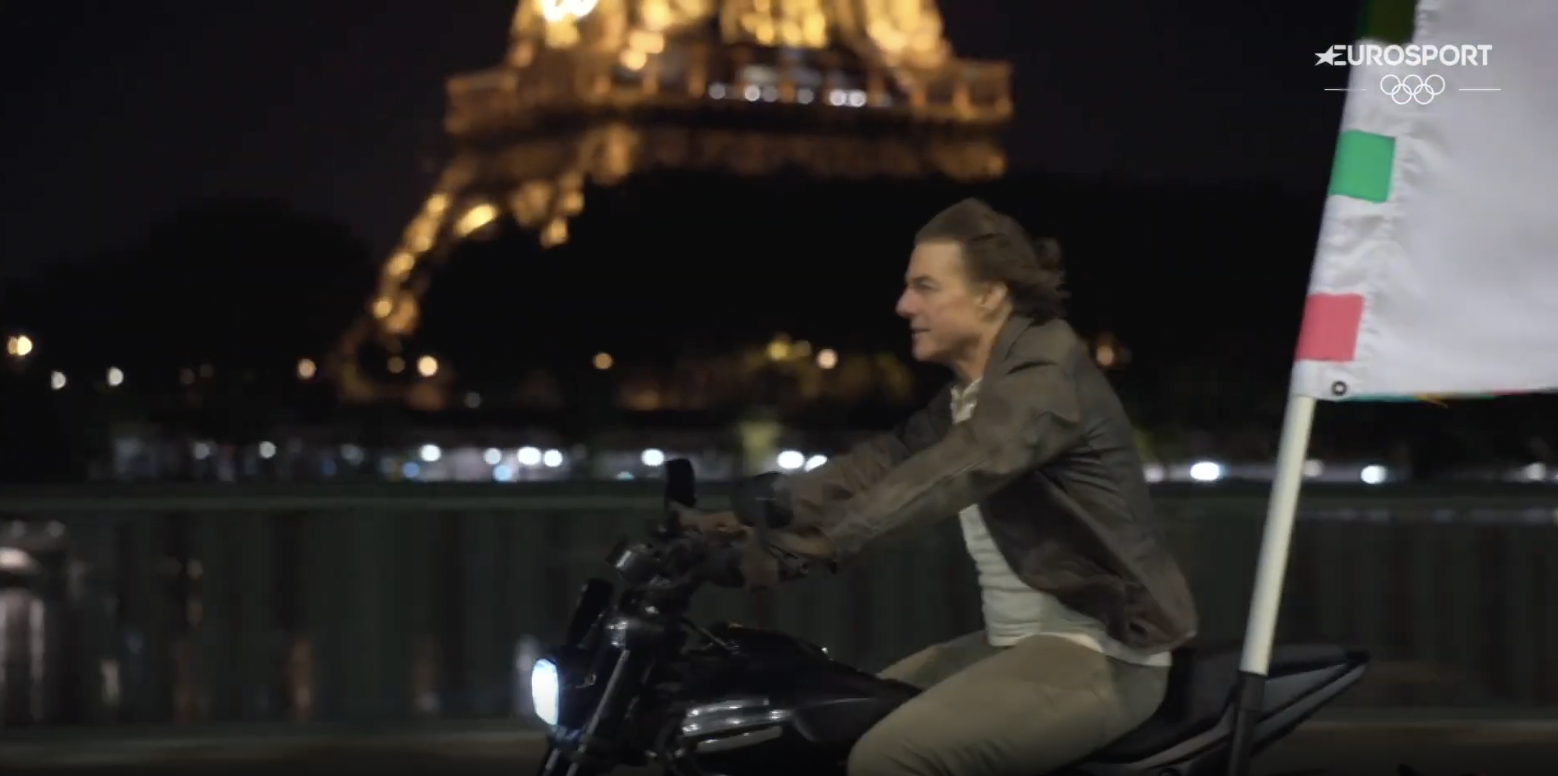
point(593, 91)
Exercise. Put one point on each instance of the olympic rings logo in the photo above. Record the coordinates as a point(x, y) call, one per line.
point(1412, 88)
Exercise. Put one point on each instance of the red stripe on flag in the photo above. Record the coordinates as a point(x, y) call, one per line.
point(1330, 330)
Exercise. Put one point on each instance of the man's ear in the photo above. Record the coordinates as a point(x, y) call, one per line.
point(993, 297)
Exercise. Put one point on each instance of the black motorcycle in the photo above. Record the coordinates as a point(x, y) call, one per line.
point(635, 682)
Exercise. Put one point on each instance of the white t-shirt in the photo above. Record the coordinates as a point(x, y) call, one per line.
point(1014, 611)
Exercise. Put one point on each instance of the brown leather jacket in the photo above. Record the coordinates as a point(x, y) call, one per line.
point(1050, 457)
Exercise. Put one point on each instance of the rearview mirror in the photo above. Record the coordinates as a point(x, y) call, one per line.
point(681, 486)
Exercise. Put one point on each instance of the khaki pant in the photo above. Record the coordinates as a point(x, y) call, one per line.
point(1024, 710)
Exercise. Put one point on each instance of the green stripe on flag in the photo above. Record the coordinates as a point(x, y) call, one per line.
point(1362, 165)
point(1390, 21)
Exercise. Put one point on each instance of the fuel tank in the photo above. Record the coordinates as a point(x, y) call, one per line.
point(777, 705)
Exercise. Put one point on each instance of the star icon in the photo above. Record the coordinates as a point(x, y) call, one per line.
point(1328, 57)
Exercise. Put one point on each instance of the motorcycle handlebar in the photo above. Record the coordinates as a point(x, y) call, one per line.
point(723, 566)
point(722, 563)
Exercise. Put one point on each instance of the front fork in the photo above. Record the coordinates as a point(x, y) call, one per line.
point(593, 750)
point(557, 764)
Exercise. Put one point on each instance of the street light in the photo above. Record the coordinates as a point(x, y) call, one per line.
point(18, 346)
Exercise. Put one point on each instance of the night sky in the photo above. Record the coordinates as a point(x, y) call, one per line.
point(117, 113)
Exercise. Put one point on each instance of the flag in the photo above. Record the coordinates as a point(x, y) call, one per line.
point(1436, 272)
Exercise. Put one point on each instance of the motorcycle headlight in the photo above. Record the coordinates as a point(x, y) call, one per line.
point(543, 691)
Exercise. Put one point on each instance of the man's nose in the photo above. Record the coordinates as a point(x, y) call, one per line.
point(905, 306)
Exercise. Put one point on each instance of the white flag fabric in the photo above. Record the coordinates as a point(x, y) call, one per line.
point(1436, 271)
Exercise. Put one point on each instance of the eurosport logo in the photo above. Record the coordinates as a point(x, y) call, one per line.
point(1402, 89)
point(1409, 55)
point(1407, 88)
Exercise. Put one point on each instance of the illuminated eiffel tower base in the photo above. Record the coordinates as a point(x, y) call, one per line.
point(593, 91)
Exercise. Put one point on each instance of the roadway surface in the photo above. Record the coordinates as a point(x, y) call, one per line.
point(1502, 748)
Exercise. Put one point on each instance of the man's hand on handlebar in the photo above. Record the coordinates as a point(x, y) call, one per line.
point(787, 555)
point(768, 557)
point(714, 525)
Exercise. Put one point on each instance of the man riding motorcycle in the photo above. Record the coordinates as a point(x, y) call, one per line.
point(1030, 447)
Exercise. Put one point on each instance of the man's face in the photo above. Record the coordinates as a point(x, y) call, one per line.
point(948, 315)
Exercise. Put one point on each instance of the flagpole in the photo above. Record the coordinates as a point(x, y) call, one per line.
point(1266, 602)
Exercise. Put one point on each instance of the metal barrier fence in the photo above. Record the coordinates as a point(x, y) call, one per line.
point(224, 604)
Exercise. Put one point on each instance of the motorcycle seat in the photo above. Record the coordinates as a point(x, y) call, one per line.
point(1200, 694)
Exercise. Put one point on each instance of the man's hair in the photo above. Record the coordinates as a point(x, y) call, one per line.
point(996, 248)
